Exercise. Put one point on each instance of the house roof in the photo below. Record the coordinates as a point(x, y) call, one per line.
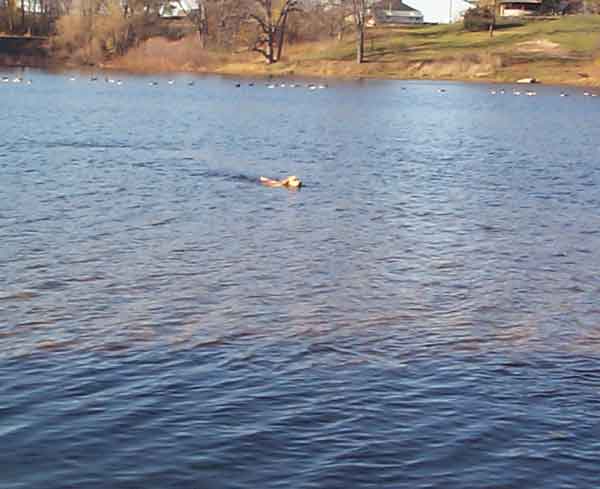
point(397, 5)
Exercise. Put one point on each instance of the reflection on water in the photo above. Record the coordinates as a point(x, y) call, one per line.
point(422, 313)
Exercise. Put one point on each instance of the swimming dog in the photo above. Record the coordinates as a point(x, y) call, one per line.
point(289, 182)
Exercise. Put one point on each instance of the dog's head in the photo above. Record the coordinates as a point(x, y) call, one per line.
point(292, 181)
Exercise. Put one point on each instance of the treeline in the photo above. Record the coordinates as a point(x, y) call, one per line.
point(90, 30)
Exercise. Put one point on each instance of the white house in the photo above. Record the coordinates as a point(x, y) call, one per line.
point(177, 9)
point(394, 12)
point(519, 8)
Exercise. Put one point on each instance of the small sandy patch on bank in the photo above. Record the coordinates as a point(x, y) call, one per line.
point(543, 46)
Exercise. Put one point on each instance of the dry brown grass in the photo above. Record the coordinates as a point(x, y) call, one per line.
point(160, 54)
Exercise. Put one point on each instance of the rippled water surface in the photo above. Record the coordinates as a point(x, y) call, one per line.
point(424, 313)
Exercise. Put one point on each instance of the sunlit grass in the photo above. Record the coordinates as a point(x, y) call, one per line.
point(577, 35)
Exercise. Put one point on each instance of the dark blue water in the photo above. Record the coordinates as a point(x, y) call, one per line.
point(424, 313)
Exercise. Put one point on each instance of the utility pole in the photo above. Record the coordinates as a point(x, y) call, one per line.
point(450, 13)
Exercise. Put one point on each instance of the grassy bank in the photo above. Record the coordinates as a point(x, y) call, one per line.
point(562, 50)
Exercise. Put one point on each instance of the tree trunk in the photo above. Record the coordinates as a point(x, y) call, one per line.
point(281, 37)
point(202, 25)
point(270, 56)
point(360, 43)
point(493, 23)
point(11, 18)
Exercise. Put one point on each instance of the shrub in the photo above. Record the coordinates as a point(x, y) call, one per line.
point(478, 19)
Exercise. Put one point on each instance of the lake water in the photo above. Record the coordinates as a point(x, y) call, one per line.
point(424, 313)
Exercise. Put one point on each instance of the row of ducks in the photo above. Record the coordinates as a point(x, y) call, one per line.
point(17, 79)
point(533, 93)
point(310, 86)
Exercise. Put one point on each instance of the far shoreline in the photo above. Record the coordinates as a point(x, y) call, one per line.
point(561, 52)
point(281, 74)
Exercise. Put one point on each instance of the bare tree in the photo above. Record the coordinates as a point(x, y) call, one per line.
point(199, 18)
point(359, 13)
point(272, 23)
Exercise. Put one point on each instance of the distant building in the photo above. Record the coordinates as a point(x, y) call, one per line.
point(394, 12)
point(177, 9)
point(512, 8)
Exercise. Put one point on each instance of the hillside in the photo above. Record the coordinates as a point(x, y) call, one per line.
point(561, 50)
